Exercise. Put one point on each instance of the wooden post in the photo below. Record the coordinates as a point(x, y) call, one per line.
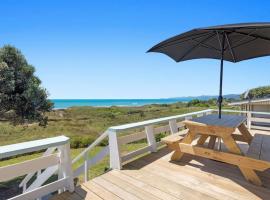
point(173, 126)
point(67, 166)
point(115, 156)
point(149, 130)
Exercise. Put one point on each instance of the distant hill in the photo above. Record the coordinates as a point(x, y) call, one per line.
point(207, 97)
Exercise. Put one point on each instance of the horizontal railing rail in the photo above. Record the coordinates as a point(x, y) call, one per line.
point(255, 119)
point(32, 146)
point(243, 111)
point(156, 121)
point(55, 159)
point(174, 123)
point(89, 162)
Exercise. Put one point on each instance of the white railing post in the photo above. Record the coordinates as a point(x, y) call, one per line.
point(86, 178)
point(60, 168)
point(66, 165)
point(188, 117)
point(173, 126)
point(207, 113)
point(24, 187)
point(249, 120)
point(115, 156)
point(149, 130)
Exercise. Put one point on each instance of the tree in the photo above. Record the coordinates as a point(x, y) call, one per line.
point(22, 99)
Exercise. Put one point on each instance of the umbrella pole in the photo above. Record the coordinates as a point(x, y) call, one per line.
point(220, 98)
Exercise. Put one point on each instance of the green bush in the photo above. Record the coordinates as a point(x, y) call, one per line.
point(81, 142)
point(160, 136)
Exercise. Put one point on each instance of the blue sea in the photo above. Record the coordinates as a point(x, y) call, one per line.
point(66, 103)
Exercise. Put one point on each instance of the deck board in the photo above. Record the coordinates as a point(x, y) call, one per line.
point(156, 177)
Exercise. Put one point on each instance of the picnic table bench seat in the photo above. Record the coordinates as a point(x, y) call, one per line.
point(174, 138)
point(260, 147)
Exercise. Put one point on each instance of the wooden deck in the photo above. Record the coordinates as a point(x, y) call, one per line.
point(155, 177)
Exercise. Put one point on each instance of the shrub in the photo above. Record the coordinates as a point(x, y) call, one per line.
point(81, 142)
point(160, 136)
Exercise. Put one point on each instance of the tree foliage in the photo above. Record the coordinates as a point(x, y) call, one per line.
point(22, 99)
point(206, 103)
point(258, 92)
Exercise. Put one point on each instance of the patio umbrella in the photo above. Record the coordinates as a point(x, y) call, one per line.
point(233, 43)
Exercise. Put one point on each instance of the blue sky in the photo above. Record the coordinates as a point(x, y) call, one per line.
point(96, 49)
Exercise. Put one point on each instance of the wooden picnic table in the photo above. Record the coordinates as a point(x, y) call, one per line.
point(210, 126)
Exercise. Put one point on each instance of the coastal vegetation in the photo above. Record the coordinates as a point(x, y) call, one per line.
point(84, 124)
point(258, 92)
point(207, 103)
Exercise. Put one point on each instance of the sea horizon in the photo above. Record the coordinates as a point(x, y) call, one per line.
point(67, 103)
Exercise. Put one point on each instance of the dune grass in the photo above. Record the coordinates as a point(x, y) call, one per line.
point(84, 124)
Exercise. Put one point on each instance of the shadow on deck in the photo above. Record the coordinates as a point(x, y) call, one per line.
point(154, 176)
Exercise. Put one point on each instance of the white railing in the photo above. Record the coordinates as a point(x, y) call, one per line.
point(115, 141)
point(174, 124)
point(255, 120)
point(92, 161)
point(56, 159)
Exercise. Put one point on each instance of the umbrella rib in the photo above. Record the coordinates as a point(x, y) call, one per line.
point(194, 47)
point(254, 36)
point(230, 47)
point(176, 41)
point(244, 43)
point(219, 41)
point(208, 46)
point(248, 35)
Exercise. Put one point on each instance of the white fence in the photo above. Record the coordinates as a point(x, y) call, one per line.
point(56, 159)
point(174, 123)
point(61, 162)
point(255, 120)
point(115, 141)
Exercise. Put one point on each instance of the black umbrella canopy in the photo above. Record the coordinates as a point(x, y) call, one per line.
point(241, 42)
point(232, 42)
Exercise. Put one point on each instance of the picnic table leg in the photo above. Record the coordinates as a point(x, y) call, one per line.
point(212, 142)
point(246, 134)
point(177, 155)
point(202, 139)
point(248, 173)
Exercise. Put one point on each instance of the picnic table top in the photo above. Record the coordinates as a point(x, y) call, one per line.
point(231, 121)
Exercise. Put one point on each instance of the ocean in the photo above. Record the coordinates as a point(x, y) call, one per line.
point(66, 103)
